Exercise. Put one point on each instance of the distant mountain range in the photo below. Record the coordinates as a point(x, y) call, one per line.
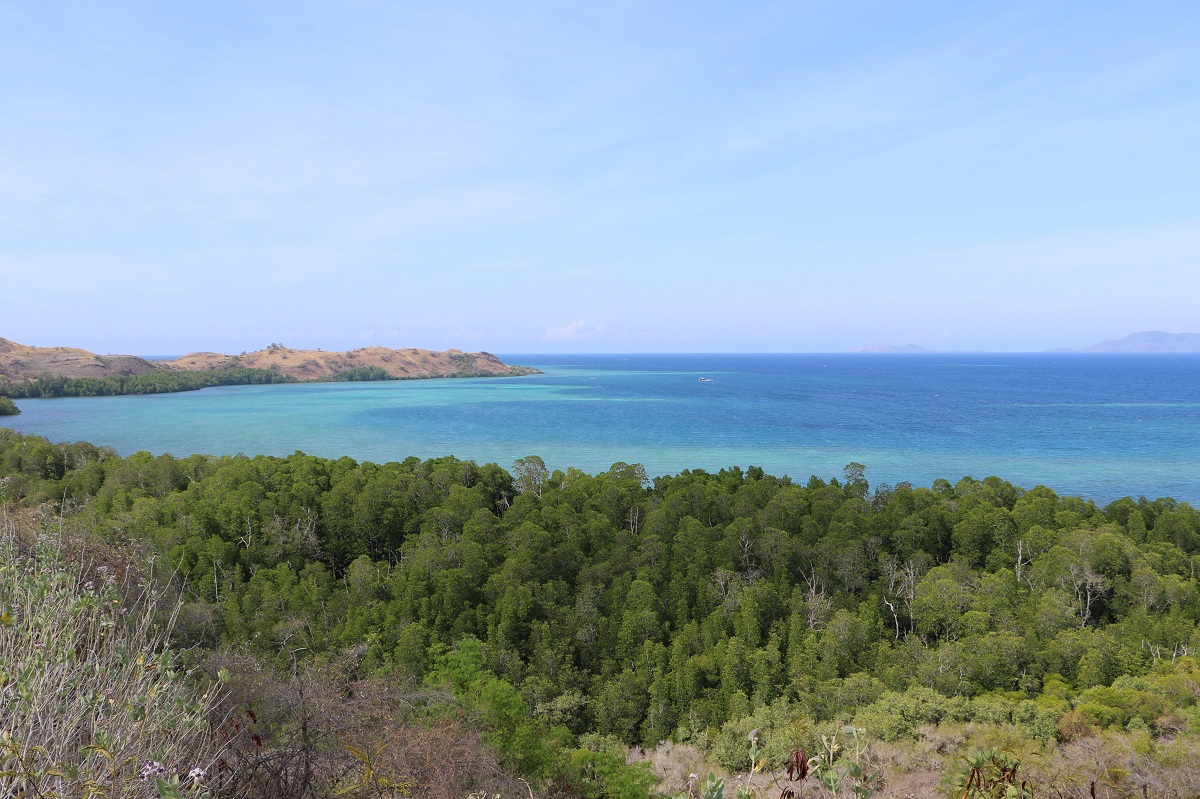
point(1148, 341)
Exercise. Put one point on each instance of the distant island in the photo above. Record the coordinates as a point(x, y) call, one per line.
point(906, 348)
point(1147, 341)
point(67, 371)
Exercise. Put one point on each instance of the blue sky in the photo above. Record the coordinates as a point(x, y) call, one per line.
point(605, 177)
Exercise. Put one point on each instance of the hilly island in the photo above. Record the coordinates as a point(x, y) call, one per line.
point(67, 371)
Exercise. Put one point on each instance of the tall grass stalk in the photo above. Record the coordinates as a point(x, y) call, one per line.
point(89, 691)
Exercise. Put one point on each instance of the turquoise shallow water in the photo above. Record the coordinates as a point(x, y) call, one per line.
point(1101, 426)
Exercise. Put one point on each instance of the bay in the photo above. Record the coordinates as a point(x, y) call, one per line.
point(1098, 426)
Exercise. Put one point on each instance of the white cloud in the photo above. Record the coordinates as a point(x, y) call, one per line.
point(576, 330)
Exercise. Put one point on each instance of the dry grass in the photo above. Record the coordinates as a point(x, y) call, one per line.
point(22, 362)
point(325, 729)
point(673, 763)
point(318, 364)
point(89, 689)
point(1113, 765)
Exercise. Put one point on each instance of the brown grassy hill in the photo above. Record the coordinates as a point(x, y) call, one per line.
point(319, 364)
point(19, 362)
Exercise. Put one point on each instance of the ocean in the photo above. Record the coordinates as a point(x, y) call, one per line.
point(1097, 426)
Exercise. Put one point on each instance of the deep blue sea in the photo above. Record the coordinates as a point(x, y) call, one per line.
point(1100, 426)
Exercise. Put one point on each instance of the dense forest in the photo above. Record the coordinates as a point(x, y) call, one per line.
point(575, 613)
point(157, 382)
point(163, 382)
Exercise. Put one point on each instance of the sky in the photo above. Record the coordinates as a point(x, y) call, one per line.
point(559, 177)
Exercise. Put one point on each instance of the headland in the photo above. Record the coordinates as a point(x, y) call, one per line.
point(19, 363)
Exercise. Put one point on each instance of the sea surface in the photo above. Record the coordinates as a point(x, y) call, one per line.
point(1099, 426)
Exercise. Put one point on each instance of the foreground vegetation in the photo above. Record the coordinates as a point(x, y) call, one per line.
point(370, 618)
point(90, 690)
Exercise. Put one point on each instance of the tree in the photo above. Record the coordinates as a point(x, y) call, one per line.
point(899, 584)
point(940, 600)
point(639, 621)
point(499, 707)
point(1076, 568)
point(531, 474)
point(856, 483)
point(979, 530)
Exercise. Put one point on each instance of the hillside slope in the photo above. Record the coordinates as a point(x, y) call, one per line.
point(20, 362)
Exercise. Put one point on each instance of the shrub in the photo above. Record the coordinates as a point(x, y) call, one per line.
point(990, 774)
point(324, 731)
point(1044, 727)
point(598, 770)
point(1116, 705)
point(1073, 725)
point(781, 727)
point(898, 715)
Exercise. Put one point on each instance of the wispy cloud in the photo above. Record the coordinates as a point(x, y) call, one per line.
point(576, 330)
